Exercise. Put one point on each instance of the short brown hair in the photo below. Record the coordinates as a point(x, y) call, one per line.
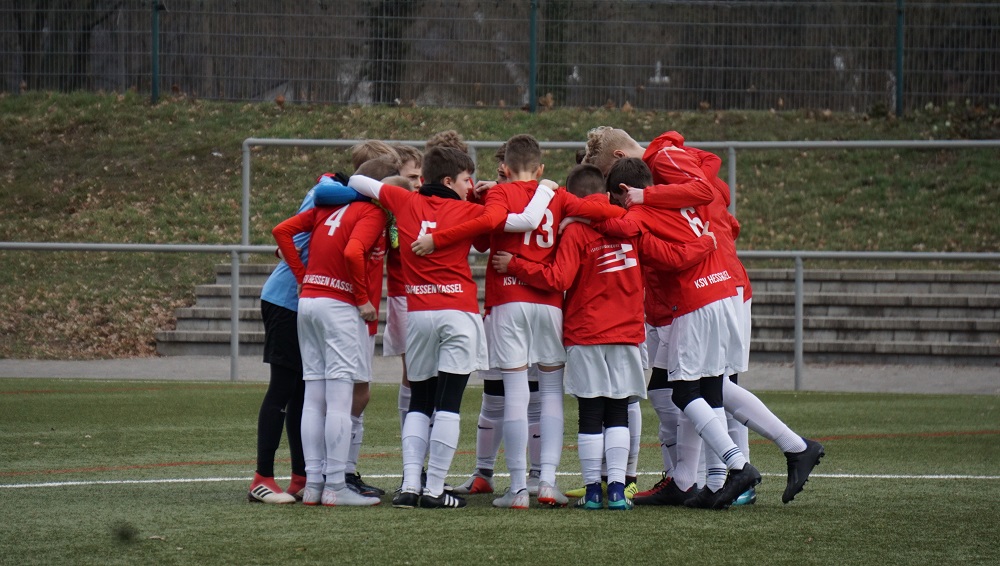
point(442, 161)
point(397, 181)
point(380, 167)
point(370, 149)
point(585, 180)
point(522, 154)
point(409, 153)
point(631, 171)
point(447, 138)
point(602, 142)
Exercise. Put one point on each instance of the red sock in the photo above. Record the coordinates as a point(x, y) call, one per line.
point(297, 484)
point(266, 481)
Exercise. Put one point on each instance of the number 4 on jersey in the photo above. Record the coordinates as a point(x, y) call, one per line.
point(334, 220)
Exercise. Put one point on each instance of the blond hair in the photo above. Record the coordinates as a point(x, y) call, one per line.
point(409, 153)
point(370, 149)
point(398, 181)
point(602, 142)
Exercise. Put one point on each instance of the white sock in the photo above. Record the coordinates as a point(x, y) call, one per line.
point(416, 432)
point(489, 431)
point(714, 433)
point(339, 395)
point(635, 437)
point(550, 389)
point(403, 404)
point(668, 414)
point(515, 427)
point(591, 450)
point(751, 411)
point(616, 441)
point(739, 433)
point(688, 451)
point(314, 429)
point(715, 469)
point(443, 441)
point(535, 429)
point(357, 436)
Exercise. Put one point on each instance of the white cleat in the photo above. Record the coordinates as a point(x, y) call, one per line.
point(511, 500)
point(263, 494)
point(534, 479)
point(475, 484)
point(551, 496)
point(345, 497)
point(311, 496)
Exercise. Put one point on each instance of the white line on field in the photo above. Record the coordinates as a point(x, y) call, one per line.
point(499, 475)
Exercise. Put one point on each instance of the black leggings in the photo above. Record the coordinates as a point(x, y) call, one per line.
point(282, 405)
point(440, 393)
point(708, 388)
point(599, 413)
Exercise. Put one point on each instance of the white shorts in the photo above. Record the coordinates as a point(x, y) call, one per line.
point(332, 339)
point(524, 334)
point(658, 341)
point(394, 335)
point(365, 373)
point(701, 342)
point(604, 370)
point(646, 347)
point(739, 360)
point(451, 341)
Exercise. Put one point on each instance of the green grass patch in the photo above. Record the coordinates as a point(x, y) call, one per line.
point(852, 512)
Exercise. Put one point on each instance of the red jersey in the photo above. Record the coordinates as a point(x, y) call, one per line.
point(660, 263)
point(394, 274)
point(375, 262)
point(342, 239)
point(443, 279)
point(603, 284)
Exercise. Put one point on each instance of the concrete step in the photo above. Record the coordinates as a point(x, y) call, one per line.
point(879, 305)
point(869, 281)
point(986, 331)
point(216, 343)
point(853, 351)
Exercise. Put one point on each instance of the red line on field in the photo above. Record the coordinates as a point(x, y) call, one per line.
point(462, 452)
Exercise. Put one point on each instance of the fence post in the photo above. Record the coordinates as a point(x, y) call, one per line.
point(234, 317)
point(155, 52)
point(899, 58)
point(732, 180)
point(533, 57)
point(799, 309)
point(245, 210)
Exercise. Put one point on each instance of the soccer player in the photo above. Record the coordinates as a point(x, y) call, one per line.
point(603, 328)
point(334, 306)
point(525, 323)
point(445, 337)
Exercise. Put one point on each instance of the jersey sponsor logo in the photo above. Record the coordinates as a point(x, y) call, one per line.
point(619, 258)
point(433, 288)
point(331, 282)
point(712, 279)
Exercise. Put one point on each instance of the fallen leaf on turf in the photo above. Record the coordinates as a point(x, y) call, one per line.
point(158, 537)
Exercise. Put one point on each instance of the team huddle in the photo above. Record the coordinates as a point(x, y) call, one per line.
point(631, 266)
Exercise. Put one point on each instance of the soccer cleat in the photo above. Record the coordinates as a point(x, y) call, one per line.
point(631, 488)
point(593, 499)
point(406, 500)
point(534, 479)
point(423, 481)
point(550, 495)
point(664, 480)
point(443, 501)
point(264, 490)
point(581, 491)
point(358, 485)
point(346, 497)
point(511, 500)
point(296, 486)
point(703, 498)
point(748, 497)
point(665, 492)
point(800, 465)
point(311, 495)
point(737, 482)
point(477, 483)
point(616, 497)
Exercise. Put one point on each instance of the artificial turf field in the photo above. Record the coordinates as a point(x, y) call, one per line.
point(101, 472)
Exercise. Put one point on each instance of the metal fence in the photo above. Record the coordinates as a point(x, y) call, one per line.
point(861, 56)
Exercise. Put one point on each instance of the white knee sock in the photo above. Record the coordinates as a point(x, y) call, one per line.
point(489, 431)
point(403, 404)
point(515, 427)
point(634, 436)
point(714, 433)
point(550, 389)
point(688, 451)
point(314, 430)
point(715, 468)
point(739, 433)
point(444, 441)
point(616, 441)
point(668, 414)
point(751, 411)
point(416, 432)
point(591, 450)
point(535, 430)
point(339, 395)
point(357, 436)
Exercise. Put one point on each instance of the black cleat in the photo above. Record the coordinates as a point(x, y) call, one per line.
point(664, 493)
point(406, 500)
point(703, 498)
point(737, 482)
point(800, 465)
point(443, 501)
point(356, 484)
